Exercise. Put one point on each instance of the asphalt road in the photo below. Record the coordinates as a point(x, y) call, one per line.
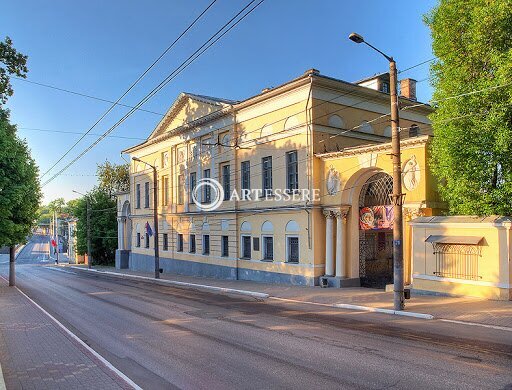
point(165, 337)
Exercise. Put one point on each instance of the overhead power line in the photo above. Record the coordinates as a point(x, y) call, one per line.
point(76, 132)
point(131, 86)
point(83, 95)
point(233, 22)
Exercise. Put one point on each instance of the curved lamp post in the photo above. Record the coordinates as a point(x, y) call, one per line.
point(398, 253)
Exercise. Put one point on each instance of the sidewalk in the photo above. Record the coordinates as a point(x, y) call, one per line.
point(472, 310)
point(35, 353)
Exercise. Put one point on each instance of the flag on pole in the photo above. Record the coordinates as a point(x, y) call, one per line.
point(148, 230)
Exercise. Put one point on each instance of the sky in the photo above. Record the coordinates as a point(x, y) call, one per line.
point(99, 48)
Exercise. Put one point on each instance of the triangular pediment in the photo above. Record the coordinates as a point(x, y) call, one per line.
point(188, 108)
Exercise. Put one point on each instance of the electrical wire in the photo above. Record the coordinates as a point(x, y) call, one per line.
point(131, 87)
point(209, 43)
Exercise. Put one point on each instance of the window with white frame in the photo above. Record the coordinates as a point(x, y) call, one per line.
point(180, 243)
point(246, 247)
point(268, 248)
point(292, 171)
point(292, 249)
point(206, 244)
point(224, 246)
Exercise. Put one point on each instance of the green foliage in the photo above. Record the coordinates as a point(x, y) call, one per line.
point(113, 178)
point(20, 191)
point(13, 63)
point(472, 40)
point(103, 222)
point(57, 205)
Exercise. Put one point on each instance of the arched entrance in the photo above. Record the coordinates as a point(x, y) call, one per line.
point(376, 231)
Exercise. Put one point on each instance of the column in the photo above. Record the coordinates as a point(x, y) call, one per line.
point(341, 218)
point(120, 232)
point(329, 261)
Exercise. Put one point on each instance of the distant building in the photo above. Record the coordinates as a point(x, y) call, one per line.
point(314, 134)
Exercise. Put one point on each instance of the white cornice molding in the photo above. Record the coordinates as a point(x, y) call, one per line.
point(364, 149)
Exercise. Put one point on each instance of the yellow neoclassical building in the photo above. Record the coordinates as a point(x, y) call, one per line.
point(305, 169)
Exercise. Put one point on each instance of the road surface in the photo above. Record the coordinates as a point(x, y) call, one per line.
point(165, 337)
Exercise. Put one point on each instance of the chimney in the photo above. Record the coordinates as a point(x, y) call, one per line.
point(408, 89)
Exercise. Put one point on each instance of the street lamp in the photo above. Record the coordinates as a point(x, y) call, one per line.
point(155, 214)
point(88, 206)
point(398, 254)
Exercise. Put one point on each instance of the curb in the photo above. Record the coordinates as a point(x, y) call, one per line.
point(165, 282)
point(384, 311)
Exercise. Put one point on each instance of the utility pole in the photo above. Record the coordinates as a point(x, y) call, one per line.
point(89, 252)
point(397, 197)
point(155, 214)
point(56, 236)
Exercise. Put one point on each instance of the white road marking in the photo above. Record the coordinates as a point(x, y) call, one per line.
point(78, 340)
point(2, 381)
point(505, 328)
point(60, 270)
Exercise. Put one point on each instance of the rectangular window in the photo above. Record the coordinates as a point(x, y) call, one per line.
point(165, 183)
point(146, 195)
point(180, 243)
point(268, 248)
point(226, 179)
point(224, 246)
point(293, 249)
point(207, 190)
point(246, 178)
point(138, 240)
point(266, 174)
point(192, 243)
point(181, 188)
point(246, 247)
point(137, 196)
point(192, 182)
point(256, 244)
point(206, 244)
point(292, 171)
point(147, 241)
point(165, 244)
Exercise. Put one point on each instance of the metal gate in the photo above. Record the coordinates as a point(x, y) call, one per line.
point(376, 245)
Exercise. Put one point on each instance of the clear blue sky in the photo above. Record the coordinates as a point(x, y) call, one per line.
point(100, 47)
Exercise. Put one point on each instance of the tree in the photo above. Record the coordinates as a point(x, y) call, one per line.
point(113, 178)
point(13, 63)
point(472, 144)
point(103, 222)
point(20, 191)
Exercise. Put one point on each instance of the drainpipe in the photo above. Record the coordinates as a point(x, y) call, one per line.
point(235, 150)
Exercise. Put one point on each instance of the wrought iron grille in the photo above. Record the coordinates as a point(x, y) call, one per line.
point(457, 261)
point(377, 190)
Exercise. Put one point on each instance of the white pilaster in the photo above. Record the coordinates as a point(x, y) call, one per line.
point(329, 261)
point(340, 243)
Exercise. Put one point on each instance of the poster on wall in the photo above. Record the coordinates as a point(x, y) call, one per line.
point(376, 217)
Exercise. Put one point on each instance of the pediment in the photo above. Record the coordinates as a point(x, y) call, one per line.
point(187, 108)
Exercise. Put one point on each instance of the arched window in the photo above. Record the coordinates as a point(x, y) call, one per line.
point(336, 121)
point(292, 227)
point(246, 227)
point(267, 227)
point(365, 127)
point(266, 131)
point(414, 131)
point(291, 123)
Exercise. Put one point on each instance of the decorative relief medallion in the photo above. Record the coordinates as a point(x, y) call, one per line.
point(333, 181)
point(411, 174)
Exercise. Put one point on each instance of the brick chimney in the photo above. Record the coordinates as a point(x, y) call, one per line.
point(408, 89)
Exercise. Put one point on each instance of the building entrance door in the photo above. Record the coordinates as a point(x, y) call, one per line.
point(376, 232)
